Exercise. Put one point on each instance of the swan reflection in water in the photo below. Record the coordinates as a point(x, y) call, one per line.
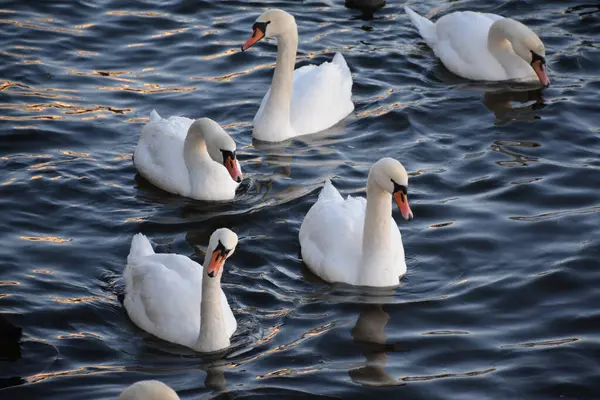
point(514, 105)
point(369, 335)
point(508, 100)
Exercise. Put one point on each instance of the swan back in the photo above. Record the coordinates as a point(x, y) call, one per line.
point(148, 390)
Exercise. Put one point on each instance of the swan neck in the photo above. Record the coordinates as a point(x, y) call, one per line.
point(500, 38)
point(283, 78)
point(195, 156)
point(376, 232)
point(213, 333)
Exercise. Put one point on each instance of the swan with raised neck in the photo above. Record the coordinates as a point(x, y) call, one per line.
point(329, 233)
point(155, 297)
point(292, 108)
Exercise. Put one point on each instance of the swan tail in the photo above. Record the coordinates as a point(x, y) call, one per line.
point(154, 117)
point(140, 247)
point(329, 192)
point(426, 27)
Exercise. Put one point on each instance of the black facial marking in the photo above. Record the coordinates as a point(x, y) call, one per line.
point(226, 154)
point(224, 251)
point(222, 255)
point(261, 26)
point(398, 188)
point(536, 57)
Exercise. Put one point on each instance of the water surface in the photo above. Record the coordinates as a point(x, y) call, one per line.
point(500, 300)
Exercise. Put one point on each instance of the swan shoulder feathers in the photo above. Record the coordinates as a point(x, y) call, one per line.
point(460, 40)
point(163, 290)
point(321, 96)
point(331, 236)
point(159, 153)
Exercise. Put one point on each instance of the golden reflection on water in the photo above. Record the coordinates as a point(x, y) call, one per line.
point(43, 271)
point(137, 13)
point(77, 300)
point(381, 110)
point(52, 239)
point(154, 88)
point(91, 370)
point(135, 219)
point(219, 55)
point(287, 372)
point(422, 378)
point(79, 335)
point(169, 33)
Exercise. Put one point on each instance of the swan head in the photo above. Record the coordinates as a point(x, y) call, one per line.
point(219, 145)
point(220, 247)
point(271, 24)
point(527, 45)
point(148, 390)
point(390, 175)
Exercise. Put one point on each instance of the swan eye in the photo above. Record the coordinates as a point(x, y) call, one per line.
point(399, 188)
point(536, 57)
point(222, 251)
point(228, 157)
point(261, 26)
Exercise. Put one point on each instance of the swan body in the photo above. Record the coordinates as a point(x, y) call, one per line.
point(356, 241)
point(482, 46)
point(302, 101)
point(176, 299)
point(148, 390)
point(191, 158)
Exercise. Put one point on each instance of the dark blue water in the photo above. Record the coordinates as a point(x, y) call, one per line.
point(501, 297)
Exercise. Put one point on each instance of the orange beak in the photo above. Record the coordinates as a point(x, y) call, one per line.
point(257, 34)
point(216, 263)
point(233, 166)
point(402, 201)
point(540, 70)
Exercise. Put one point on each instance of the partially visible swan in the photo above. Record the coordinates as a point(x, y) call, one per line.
point(307, 100)
point(178, 300)
point(483, 46)
point(148, 390)
point(191, 158)
point(356, 241)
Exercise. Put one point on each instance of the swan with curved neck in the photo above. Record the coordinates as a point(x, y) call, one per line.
point(178, 300)
point(148, 390)
point(194, 159)
point(356, 241)
point(484, 46)
point(303, 101)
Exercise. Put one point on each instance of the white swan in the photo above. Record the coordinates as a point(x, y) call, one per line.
point(356, 241)
point(307, 100)
point(176, 299)
point(191, 158)
point(148, 390)
point(483, 46)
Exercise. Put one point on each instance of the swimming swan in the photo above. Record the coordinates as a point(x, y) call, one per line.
point(303, 101)
point(485, 47)
point(191, 158)
point(178, 300)
point(356, 241)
